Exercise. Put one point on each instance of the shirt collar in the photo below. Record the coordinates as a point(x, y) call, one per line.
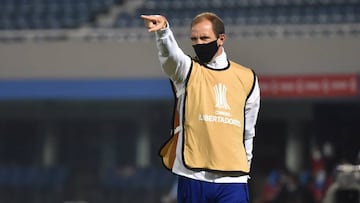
point(220, 62)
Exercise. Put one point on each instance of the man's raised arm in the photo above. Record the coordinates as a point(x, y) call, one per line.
point(174, 62)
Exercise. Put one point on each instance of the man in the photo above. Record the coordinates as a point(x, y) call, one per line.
point(217, 103)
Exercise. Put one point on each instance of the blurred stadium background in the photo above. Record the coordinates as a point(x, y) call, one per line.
point(84, 106)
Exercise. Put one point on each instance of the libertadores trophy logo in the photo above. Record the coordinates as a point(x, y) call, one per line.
point(220, 96)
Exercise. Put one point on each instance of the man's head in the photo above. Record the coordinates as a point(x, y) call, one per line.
point(207, 35)
point(216, 22)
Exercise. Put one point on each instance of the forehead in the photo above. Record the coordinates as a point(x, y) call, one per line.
point(203, 27)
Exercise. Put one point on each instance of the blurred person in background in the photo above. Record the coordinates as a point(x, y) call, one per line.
point(217, 104)
point(346, 188)
point(271, 187)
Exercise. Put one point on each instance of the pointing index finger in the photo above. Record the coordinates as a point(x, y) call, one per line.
point(149, 17)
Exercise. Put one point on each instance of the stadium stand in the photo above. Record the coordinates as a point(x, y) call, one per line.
point(50, 14)
point(247, 12)
point(122, 186)
point(60, 14)
point(144, 178)
point(31, 176)
point(32, 182)
point(99, 20)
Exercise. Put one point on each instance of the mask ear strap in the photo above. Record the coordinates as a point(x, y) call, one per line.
point(222, 38)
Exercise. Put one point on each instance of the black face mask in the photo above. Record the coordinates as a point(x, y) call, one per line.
point(205, 52)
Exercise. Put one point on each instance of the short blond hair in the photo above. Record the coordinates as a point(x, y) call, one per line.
point(216, 21)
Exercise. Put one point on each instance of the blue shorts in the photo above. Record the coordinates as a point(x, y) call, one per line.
point(195, 191)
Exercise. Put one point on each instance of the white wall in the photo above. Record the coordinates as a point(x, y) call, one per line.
point(139, 59)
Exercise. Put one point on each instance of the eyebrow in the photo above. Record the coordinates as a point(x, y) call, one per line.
point(201, 37)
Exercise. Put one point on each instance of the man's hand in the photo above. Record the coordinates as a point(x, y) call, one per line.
point(154, 22)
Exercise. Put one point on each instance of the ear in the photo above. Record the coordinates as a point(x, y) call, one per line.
point(222, 38)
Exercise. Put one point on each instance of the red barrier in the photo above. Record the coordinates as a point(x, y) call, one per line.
point(306, 86)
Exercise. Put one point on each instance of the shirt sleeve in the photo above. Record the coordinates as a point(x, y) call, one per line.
point(174, 62)
point(252, 107)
